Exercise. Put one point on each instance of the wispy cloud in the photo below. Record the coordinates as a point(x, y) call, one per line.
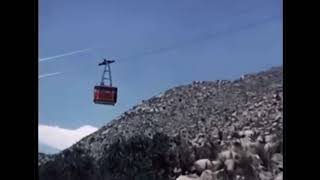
point(48, 75)
point(63, 55)
point(61, 138)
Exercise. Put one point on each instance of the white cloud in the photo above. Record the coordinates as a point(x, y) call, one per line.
point(61, 138)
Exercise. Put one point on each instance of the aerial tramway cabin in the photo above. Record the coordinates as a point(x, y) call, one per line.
point(105, 94)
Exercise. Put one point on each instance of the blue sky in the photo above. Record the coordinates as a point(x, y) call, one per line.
point(206, 40)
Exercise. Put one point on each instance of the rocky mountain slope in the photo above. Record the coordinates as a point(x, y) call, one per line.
point(236, 125)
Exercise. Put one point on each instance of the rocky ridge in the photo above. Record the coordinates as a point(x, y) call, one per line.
point(164, 137)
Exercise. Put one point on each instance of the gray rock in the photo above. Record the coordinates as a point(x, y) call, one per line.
point(207, 175)
point(265, 176)
point(203, 164)
point(188, 177)
point(279, 176)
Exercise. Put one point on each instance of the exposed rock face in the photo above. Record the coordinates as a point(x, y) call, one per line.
point(44, 158)
point(236, 125)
